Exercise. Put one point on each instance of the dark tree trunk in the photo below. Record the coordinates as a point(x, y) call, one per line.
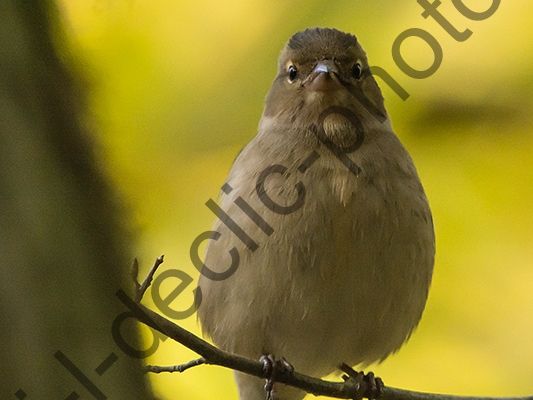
point(63, 249)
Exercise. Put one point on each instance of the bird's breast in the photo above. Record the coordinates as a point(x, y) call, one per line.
point(345, 253)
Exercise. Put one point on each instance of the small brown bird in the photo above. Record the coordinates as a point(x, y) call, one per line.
point(324, 247)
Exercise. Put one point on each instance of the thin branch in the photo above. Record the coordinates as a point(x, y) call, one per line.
point(134, 275)
point(140, 290)
point(350, 389)
point(175, 368)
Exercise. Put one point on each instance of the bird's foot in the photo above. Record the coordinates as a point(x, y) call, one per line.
point(273, 368)
point(367, 385)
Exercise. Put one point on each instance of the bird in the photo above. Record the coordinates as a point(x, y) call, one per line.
point(324, 246)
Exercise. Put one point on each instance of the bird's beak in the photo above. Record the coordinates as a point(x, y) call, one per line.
point(322, 67)
point(324, 77)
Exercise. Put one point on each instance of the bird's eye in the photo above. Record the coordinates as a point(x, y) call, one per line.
point(357, 70)
point(293, 73)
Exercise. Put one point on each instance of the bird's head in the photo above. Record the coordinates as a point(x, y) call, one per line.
point(319, 68)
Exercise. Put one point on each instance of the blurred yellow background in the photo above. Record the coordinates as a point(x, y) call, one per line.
point(177, 89)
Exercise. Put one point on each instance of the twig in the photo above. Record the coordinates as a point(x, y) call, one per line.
point(134, 275)
point(140, 290)
point(175, 368)
point(349, 389)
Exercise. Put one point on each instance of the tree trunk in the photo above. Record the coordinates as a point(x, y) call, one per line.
point(63, 248)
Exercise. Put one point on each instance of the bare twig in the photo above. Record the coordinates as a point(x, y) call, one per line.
point(350, 389)
point(135, 274)
point(175, 368)
point(140, 290)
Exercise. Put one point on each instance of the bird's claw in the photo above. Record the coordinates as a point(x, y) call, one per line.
point(273, 368)
point(374, 386)
point(366, 385)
